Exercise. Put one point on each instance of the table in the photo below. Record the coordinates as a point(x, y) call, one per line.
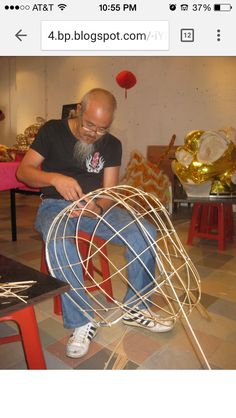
point(45, 287)
point(23, 314)
point(209, 199)
point(8, 178)
point(205, 224)
point(8, 181)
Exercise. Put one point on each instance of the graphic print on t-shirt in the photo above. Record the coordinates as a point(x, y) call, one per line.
point(95, 163)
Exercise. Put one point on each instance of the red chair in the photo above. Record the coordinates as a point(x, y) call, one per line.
point(212, 221)
point(83, 241)
point(29, 336)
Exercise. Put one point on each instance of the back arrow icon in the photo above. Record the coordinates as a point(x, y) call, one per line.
point(19, 34)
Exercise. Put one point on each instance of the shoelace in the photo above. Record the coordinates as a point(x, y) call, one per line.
point(139, 317)
point(84, 333)
point(142, 317)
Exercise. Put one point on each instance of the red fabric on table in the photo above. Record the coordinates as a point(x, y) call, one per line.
point(8, 178)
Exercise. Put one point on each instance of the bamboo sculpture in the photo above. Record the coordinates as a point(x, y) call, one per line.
point(176, 284)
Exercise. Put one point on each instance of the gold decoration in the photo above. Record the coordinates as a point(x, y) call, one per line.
point(23, 141)
point(7, 153)
point(208, 156)
point(192, 140)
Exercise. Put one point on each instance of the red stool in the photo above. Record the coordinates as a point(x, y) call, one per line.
point(212, 221)
point(29, 336)
point(83, 240)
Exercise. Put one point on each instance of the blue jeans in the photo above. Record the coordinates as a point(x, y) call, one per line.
point(140, 273)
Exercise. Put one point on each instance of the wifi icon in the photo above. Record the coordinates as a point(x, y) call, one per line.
point(62, 6)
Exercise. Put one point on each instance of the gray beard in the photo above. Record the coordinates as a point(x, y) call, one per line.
point(82, 151)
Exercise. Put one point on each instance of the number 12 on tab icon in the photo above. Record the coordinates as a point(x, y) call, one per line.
point(187, 35)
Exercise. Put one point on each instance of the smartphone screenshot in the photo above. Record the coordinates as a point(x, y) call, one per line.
point(163, 73)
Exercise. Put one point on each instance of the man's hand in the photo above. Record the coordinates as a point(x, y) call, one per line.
point(68, 187)
point(88, 209)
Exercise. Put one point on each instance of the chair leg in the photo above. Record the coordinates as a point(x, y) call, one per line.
point(44, 269)
point(106, 285)
point(229, 222)
point(203, 218)
point(43, 265)
point(103, 271)
point(193, 223)
point(57, 308)
point(26, 321)
point(221, 227)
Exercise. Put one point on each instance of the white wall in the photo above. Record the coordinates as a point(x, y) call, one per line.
point(172, 94)
point(7, 98)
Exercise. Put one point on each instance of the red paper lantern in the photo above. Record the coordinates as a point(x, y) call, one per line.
point(126, 80)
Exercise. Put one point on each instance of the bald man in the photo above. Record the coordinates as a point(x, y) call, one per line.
point(77, 156)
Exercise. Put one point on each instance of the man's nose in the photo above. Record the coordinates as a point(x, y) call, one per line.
point(93, 131)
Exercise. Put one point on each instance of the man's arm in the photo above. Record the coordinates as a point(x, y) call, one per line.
point(111, 176)
point(30, 173)
point(110, 179)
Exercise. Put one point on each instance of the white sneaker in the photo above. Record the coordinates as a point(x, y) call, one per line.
point(79, 342)
point(142, 318)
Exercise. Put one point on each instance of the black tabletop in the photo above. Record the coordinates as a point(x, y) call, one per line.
point(44, 288)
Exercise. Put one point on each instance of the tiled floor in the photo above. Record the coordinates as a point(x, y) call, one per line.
point(140, 349)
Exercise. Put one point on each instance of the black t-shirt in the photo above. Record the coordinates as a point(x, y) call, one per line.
point(55, 142)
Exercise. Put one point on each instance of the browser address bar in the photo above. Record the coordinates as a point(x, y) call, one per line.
point(105, 35)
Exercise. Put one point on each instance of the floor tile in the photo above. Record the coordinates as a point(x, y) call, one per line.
point(219, 326)
point(203, 271)
point(99, 361)
point(58, 349)
point(19, 366)
point(54, 328)
point(219, 261)
point(172, 359)
point(225, 356)
point(10, 354)
point(137, 347)
point(207, 300)
point(224, 308)
point(220, 288)
point(7, 328)
point(201, 345)
point(54, 363)
point(46, 338)
point(107, 335)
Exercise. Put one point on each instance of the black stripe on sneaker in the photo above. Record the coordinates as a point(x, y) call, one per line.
point(140, 320)
point(91, 333)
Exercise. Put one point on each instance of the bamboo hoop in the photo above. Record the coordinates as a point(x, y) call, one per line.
point(175, 286)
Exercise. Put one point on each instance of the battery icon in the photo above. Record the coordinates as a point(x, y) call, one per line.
point(222, 7)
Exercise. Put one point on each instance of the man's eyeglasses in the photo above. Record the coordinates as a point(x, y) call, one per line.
point(93, 129)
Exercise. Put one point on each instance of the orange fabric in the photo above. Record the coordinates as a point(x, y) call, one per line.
point(144, 175)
